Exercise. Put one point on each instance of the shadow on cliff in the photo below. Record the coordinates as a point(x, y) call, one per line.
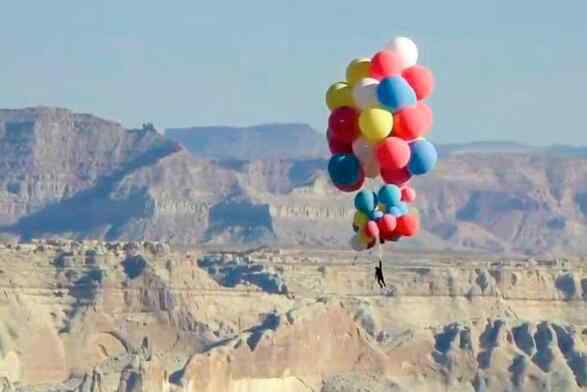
point(95, 208)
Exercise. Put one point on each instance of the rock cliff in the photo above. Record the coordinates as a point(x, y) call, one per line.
point(143, 316)
point(68, 175)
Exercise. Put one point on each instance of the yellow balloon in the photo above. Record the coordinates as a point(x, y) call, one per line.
point(358, 69)
point(376, 124)
point(339, 94)
point(360, 219)
point(381, 207)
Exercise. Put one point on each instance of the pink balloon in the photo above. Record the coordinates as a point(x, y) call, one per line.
point(408, 194)
point(421, 79)
point(393, 153)
point(385, 64)
point(372, 230)
point(412, 122)
point(387, 225)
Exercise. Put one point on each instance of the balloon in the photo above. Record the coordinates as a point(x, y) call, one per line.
point(408, 225)
point(375, 215)
point(362, 149)
point(396, 176)
point(372, 230)
point(360, 219)
point(412, 122)
point(339, 94)
point(357, 244)
point(371, 168)
point(393, 153)
point(403, 207)
point(395, 211)
point(358, 69)
point(421, 79)
point(344, 169)
point(365, 93)
point(366, 155)
point(353, 187)
point(365, 201)
point(408, 194)
point(387, 225)
point(380, 205)
point(395, 237)
point(365, 239)
point(385, 64)
point(390, 195)
point(343, 124)
point(337, 146)
point(406, 49)
point(375, 124)
point(424, 157)
point(394, 93)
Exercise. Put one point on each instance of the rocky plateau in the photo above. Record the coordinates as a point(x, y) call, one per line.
point(144, 316)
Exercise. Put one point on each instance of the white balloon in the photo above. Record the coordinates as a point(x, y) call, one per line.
point(356, 244)
point(365, 93)
point(406, 49)
point(362, 149)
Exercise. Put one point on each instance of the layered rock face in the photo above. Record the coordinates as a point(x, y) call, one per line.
point(141, 316)
point(68, 175)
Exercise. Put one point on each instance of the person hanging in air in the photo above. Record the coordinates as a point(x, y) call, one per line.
point(379, 275)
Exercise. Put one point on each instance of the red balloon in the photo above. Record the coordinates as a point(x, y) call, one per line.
point(354, 187)
point(387, 225)
point(421, 79)
point(371, 244)
point(408, 225)
point(408, 194)
point(397, 177)
point(412, 122)
point(338, 146)
point(372, 230)
point(344, 123)
point(393, 153)
point(385, 64)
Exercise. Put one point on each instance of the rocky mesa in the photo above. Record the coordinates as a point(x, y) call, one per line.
point(68, 175)
point(143, 316)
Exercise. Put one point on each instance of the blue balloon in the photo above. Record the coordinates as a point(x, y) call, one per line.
point(375, 215)
point(423, 158)
point(395, 211)
point(344, 169)
point(403, 207)
point(395, 93)
point(365, 201)
point(390, 195)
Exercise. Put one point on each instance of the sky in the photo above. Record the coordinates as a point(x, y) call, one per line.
point(505, 70)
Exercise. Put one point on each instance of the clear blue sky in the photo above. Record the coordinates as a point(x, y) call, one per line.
point(506, 69)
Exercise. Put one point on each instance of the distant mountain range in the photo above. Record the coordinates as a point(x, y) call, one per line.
point(268, 141)
point(72, 175)
point(300, 141)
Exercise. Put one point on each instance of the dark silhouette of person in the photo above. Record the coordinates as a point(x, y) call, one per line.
point(379, 275)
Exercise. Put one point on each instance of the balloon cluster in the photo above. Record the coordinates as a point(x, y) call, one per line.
point(384, 216)
point(376, 128)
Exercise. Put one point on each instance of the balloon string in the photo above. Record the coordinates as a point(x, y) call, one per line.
point(379, 248)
